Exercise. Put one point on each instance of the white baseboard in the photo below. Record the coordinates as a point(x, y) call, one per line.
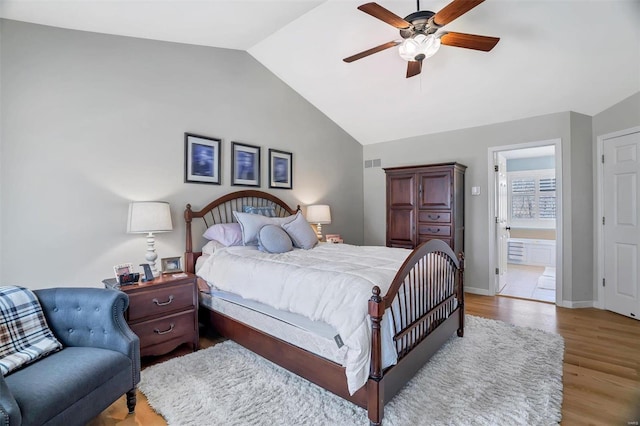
point(480, 291)
point(580, 304)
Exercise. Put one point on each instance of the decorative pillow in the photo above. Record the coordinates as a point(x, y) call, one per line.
point(24, 334)
point(301, 233)
point(274, 239)
point(229, 234)
point(252, 223)
point(268, 211)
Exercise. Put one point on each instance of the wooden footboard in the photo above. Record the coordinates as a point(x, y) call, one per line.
point(425, 305)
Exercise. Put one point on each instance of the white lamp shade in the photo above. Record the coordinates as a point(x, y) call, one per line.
point(149, 216)
point(319, 213)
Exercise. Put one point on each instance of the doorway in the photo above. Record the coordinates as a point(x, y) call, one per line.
point(526, 200)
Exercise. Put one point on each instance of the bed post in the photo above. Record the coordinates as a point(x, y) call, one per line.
point(461, 293)
point(188, 256)
point(375, 392)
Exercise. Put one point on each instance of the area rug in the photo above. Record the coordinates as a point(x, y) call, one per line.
point(497, 374)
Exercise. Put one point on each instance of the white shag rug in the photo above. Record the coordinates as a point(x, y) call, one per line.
point(497, 374)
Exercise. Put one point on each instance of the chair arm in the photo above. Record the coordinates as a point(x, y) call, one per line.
point(9, 410)
point(91, 317)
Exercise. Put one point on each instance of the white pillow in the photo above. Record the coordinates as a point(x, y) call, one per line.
point(211, 246)
point(252, 223)
point(301, 233)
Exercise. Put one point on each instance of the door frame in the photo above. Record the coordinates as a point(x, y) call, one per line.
point(491, 193)
point(599, 227)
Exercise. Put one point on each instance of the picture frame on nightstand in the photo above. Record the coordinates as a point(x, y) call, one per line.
point(334, 238)
point(171, 265)
point(123, 269)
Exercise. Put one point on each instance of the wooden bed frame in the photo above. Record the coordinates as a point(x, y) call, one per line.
point(423, 297)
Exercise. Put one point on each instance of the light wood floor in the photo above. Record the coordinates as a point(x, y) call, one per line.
point(601, 363)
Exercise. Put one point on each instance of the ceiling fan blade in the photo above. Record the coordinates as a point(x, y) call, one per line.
point(377, 11)
point(371, 51)
point(469, 41)
point(414, 68)
point(454, 10)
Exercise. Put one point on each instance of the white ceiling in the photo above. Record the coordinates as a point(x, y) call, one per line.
point(553, 56)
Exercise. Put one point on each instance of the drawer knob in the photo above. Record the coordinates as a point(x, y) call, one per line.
point(432, 217)
point(166, 331)
point(163, 303)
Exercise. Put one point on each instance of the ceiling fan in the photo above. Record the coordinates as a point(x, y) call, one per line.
point(421, 38)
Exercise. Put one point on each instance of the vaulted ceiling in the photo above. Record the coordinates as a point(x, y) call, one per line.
point(553, 55)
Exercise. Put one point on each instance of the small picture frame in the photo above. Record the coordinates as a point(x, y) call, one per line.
point(334, 238)
point(280, 169)
point(171, 265)
point(245, 164)
point(201, 159)
point(122, 269)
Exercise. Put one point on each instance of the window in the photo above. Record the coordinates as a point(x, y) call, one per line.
point(532, 198)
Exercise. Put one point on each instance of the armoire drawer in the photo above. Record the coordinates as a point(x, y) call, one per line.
point(436, 231)
point(434, 216)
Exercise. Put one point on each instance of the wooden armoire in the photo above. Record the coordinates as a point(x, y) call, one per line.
point(425, 202)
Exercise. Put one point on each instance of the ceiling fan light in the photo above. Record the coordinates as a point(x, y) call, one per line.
point(431, 46)
point(419, 47)
point(408, 49)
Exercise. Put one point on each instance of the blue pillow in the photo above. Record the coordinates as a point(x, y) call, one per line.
point(274, 239)
point(268, 211)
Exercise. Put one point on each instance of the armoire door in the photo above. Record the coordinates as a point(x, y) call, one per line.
point(401, 191)
point(435, 190)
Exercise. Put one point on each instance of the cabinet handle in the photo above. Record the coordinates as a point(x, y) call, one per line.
point(163, 303)
point(434, 231)
point(166, 331)
point(434, 218)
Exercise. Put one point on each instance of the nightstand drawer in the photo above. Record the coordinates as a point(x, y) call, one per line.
point(158, 301)
point(164, 329)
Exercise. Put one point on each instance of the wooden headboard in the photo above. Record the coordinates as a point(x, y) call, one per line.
point(221, 211)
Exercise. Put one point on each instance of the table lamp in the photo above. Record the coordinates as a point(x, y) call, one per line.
point(149, 217)
point(319, 214)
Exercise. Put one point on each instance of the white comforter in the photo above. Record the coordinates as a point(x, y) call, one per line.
point(330, 283)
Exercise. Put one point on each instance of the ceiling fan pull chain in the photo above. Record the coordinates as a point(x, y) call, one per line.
point(418, 5)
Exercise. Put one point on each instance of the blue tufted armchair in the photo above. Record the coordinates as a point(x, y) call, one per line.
point(99, 363)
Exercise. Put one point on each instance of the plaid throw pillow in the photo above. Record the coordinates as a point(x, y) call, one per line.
point(24, 334)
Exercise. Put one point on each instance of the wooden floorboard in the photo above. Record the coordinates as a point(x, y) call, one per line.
point(601, 373)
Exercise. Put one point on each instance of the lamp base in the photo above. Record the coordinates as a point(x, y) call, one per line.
point(319, 231)
point(151, 255)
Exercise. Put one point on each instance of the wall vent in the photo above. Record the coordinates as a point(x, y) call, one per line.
point(368, 164)
point(377, 162)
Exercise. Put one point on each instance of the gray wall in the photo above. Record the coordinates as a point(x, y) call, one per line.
point(92, 121)
point(470, 147)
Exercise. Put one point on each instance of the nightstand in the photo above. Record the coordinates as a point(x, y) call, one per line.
point(163, 312)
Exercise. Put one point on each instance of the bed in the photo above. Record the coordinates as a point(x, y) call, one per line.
point(421, 308)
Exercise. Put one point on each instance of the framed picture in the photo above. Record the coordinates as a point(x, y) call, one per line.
point(201, 159)
point(245, 164)
point(123, 269)
point(280, 169)
point(171, 265)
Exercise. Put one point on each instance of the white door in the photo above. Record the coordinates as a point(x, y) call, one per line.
point(621, 216)
point(502, 228)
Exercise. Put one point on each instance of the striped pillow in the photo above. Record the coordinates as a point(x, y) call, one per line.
point(268, 211)
point(24, 334)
